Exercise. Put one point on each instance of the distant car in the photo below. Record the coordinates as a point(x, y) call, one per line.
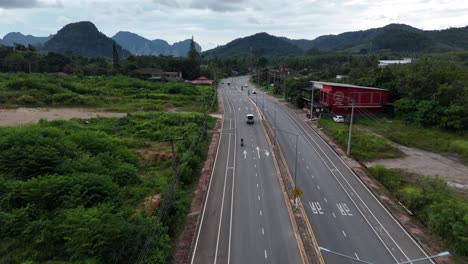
point(229, 83)
point(338, 119)
point(254, 91)
point(250, 119)
point(245, 85)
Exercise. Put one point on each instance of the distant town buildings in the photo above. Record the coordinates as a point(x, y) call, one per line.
point(385, 63)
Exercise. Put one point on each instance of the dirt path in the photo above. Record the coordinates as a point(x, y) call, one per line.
point(428, 164)
point(20, 116)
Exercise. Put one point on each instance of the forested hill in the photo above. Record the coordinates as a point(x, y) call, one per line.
point(139, 45)
point(394, 37)
point(82, 38)
point(261, 44)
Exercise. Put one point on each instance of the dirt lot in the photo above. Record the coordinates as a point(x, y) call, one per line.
point(20, 116)
point(429, 164)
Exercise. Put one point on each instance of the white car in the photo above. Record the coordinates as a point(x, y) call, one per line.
point(338, 119)
point(250, 119)
point(254, 91)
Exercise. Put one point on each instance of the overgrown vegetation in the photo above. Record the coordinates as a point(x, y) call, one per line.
point(73, 191)
point(364, 146)
point(431, 139)
point(433, 203)
point(118, 93)
point(77, 191)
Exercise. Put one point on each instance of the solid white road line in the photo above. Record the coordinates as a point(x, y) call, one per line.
point(208, 195)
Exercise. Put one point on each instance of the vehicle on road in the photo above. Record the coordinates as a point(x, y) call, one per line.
point(254, 91)
point(250, 119)
point(338, 119)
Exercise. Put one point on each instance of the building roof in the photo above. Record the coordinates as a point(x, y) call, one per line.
point(344, 85)
point(149, 71)
point(202, 80)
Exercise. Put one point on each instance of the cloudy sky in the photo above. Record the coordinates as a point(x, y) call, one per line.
point(216, 22)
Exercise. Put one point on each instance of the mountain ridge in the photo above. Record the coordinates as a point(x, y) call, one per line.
point(139, 45)
point(84, 39)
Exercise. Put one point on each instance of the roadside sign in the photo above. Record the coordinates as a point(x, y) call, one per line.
point(297, 192)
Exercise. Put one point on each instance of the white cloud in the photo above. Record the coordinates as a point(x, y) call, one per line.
point(220, 21)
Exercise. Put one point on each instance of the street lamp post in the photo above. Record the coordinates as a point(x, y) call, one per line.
point(312, 102)
point(442, 254)
point(295, 165)
point(343, 255)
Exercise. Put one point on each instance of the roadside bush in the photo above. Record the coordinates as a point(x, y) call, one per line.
point(433, 203)
point(26, 100)
point(449, 219)
point(389, 179)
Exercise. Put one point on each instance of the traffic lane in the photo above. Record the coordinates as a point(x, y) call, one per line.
point(388, 242)
point(248, 245)
point(337, 224)
point(212, 229)
point(278, 230)
point(275, 228)
point(398, 240)
point(324, 214)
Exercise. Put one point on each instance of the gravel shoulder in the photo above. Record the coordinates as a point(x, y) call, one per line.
point(429, 164)
point(21, 116)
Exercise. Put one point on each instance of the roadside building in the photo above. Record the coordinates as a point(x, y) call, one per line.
point(203, 81)
point(385, 63)
point(338, 98)
point(154, 74)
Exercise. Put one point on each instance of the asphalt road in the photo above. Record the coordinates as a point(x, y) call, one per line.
point(345, 216)
point(244, 219)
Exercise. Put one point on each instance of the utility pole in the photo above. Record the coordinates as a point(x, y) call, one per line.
point(312, 102)
point(284, 88)
point(350, 127)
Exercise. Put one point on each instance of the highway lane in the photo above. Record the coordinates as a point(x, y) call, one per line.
point(345, 215)
point(244, 219)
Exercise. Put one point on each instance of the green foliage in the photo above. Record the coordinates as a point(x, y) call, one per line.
point(364, 146)
point(389, 179)
point(72, 192)
point(433, 203)
point(430, 139)
point(116, 93)
point(402, 41)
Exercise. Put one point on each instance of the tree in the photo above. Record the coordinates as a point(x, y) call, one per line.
point(192, 53)
point(115, 59)
point(193, 62)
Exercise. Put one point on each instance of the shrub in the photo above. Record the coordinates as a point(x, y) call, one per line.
point(26, 100)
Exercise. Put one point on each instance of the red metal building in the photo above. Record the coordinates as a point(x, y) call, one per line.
point(337, 98)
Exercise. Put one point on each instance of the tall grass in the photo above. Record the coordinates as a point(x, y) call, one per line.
point(364, 146)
